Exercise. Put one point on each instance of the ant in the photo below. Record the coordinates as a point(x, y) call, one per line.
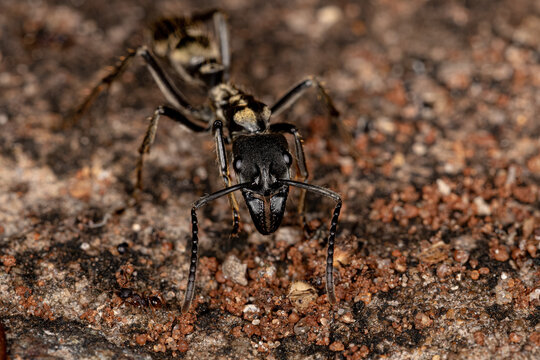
point(131, 297)
point(197, 48)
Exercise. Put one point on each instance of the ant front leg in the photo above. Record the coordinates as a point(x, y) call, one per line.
point(190, 288)
point(301, 167)
point(287, 100)
point(330, 288)
point(224, 169)
point(150, 135)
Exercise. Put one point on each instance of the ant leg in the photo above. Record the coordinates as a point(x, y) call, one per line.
point(169, 90)
point(220, 25)
point(299, 90)
point(190, 289)
point(224, 168)
point(331, 236)
point(301, 167)
point(150, 134)
point(104, 84)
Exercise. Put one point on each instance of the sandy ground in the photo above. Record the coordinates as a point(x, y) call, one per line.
point(438, 242)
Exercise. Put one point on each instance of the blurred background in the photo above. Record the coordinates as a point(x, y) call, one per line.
point(441, 97)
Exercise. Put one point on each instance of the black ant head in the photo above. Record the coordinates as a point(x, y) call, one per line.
point(261, 161)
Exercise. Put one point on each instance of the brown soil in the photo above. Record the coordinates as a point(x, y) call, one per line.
point(439, 239)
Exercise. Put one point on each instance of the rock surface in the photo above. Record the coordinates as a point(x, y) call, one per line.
point(437, 251)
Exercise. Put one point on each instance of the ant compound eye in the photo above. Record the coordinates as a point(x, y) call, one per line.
point(237, 164)
point(287, 158)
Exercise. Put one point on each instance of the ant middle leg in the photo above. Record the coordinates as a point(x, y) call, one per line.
point(224, 169)
point(150, 135)
point(290, 98)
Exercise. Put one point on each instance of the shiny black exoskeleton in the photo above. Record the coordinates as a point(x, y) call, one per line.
point(198, 50)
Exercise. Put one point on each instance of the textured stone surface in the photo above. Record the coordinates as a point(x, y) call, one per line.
point(438, 242)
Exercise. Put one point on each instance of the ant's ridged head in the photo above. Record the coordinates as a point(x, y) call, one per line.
point(262, 161)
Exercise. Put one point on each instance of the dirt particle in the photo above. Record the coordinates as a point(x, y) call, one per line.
point(234, 270)
point(461, 256)
point(443, 270)
point(534, 164)
point(535, 338)
point(482, 208)
point(499, 253)
point(434, 253)
point(421, 321)
point(159, 348)
point(250, 308)
point(483, 271)
point(294, 317)
point(140, 339)
point(236, 331)
point(531, 249)
point(479, 337)
point(443, 187)
point(337, 346)
point(302, 294)
point(347, 318)
point(514, 338)
point(250, 330)
point(182, 345)
point(9, 261)
point(400, 264)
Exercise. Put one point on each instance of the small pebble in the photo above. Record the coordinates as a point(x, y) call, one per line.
point(302, 295)
point(300, 328)
point(182, 345)
point(482, 208)
point(421, 320)
point(329, 15)
point(337, 346)
point(499, 253)
point(479, 337)
point(234, 270)
point(502, 296)
point(483, 271)
point(514, 338)
point(347, 318)
point(293, 318)
point(443, 270)
point(461, 256)
point(443, 187)
point(250, 308)
point(140, 339)
point(8, 260)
